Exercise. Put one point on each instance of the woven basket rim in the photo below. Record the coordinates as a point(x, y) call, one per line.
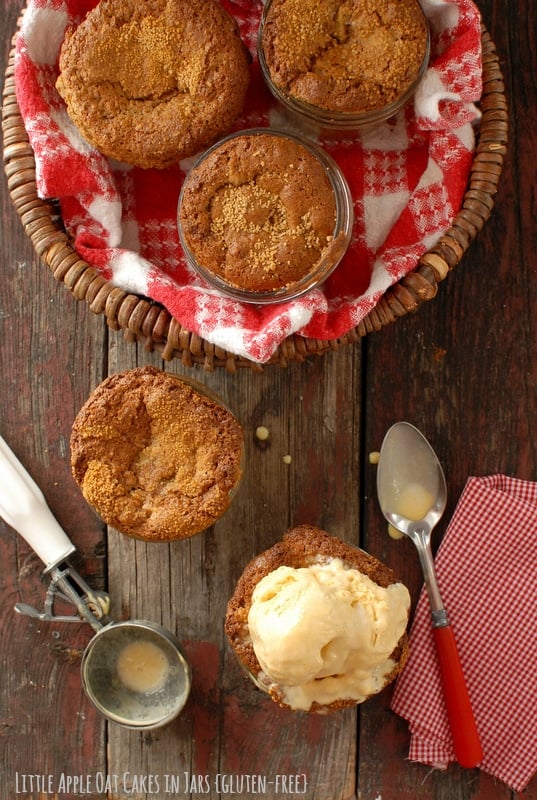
point(145, 321)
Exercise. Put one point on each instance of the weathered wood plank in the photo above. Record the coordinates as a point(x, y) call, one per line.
point(463, 370)
point(48, 345)
point(185, 585)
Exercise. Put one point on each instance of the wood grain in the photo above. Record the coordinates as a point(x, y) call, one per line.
point(463, 369)
point(186, 585)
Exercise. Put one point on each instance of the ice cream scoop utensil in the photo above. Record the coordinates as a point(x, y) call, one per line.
point(23, 506)
point(412, 494)
point(128, 697)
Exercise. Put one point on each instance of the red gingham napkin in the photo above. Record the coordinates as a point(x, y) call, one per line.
point(407, 181)
point(487, 572)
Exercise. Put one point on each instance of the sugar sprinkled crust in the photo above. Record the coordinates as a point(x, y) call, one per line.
point(301, 546)
point(152, 82)
point(154, 457)
point(259, 211)
point(344, 55)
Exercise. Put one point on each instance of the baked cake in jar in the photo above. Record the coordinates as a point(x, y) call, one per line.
point(157, 456)
point(149, 83)
point(344, 62)
point(318, 625)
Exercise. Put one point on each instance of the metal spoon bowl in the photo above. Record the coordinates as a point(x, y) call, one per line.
point(412, 494)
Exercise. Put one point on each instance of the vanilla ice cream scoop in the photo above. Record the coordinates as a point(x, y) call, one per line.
point(326, 632)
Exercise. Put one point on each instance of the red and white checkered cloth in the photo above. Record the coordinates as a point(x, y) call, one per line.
point(407, 181)
point(487, 572)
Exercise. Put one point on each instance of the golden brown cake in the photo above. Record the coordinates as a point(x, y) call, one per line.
point(258, 211)
point(155, 457)
point(319, 624)
point(149, 83)
point(349, 56)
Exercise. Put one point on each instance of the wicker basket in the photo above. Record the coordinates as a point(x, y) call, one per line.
point(149, 323)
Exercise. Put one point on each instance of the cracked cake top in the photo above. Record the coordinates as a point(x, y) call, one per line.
point(348, 56)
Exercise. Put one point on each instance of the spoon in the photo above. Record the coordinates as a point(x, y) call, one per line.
point(412, 494)
point(134, 672)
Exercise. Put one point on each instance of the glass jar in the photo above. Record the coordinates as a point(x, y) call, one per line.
point(321, 122)
point(216, 158)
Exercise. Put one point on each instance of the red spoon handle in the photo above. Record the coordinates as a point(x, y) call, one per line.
point(461, 718)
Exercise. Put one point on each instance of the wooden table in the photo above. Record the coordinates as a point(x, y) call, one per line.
point(463, 369)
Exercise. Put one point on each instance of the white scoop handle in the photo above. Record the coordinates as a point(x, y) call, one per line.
point(24, 507)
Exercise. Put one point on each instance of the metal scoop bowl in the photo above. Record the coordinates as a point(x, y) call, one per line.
point(412, 494)
point(135, 672)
